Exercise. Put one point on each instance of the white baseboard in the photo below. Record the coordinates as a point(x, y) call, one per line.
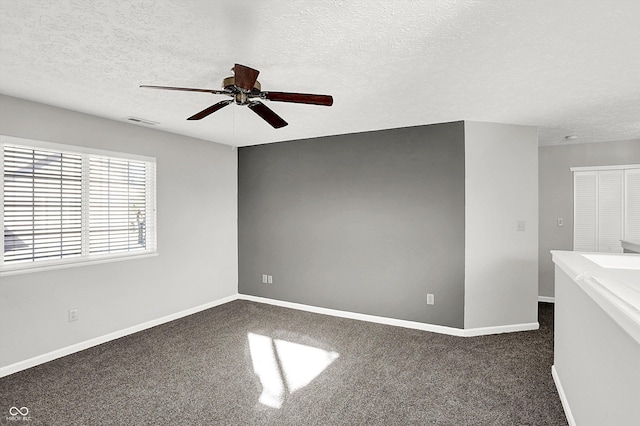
point(563, 397)
point(58, 353)
point(356, 316)
point(510, 328)
point(469, 332)
point(546, 299)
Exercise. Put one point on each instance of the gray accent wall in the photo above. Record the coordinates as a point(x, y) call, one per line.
point(367, 223)
point(556, 194)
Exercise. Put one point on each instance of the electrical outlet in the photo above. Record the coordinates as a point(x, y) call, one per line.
point(264, 278)
point(430, 299)
point(521, 225)
point(270, 279)
point(73, 315)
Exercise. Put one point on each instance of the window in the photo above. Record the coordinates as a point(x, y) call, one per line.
point(606, 207)
point(66, 205)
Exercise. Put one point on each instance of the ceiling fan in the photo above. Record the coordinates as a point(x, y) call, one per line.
point(244, 89)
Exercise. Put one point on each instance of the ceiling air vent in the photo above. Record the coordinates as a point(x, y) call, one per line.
point(141, 121)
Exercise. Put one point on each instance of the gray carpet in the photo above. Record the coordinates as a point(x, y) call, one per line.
point(199, 370)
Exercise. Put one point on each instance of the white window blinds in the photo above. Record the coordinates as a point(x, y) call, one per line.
point(606, 207)
point(42, 204)
point(61, 206)
point(117, 199)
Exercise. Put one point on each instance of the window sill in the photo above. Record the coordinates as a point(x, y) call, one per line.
point(49, 266)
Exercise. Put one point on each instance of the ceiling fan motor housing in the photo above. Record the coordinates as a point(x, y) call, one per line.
point(241, 96)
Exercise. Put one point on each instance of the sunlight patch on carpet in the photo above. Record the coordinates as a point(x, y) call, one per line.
point(285, 367)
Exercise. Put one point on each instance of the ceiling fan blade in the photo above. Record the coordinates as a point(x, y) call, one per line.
point(299, 98)
point(186, 89)
point(267, 114)
point(245, 77)
point(210, 110)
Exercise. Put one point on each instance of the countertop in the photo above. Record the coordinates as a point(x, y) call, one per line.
point(612, 280)
point(632, 245)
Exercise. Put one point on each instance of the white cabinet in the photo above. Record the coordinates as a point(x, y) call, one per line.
point(632, 205)
point(606, 207)
point(585, 211)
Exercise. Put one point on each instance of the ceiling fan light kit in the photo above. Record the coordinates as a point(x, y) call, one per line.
point(245, 89)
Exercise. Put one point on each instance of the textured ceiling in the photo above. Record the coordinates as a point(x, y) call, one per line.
point(569, 67)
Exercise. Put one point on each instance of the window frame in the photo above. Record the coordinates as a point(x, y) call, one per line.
point(85, 258)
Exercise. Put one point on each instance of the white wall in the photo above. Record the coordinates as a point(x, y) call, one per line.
point(501, 188)
point(595, 359)
point(197, 239)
